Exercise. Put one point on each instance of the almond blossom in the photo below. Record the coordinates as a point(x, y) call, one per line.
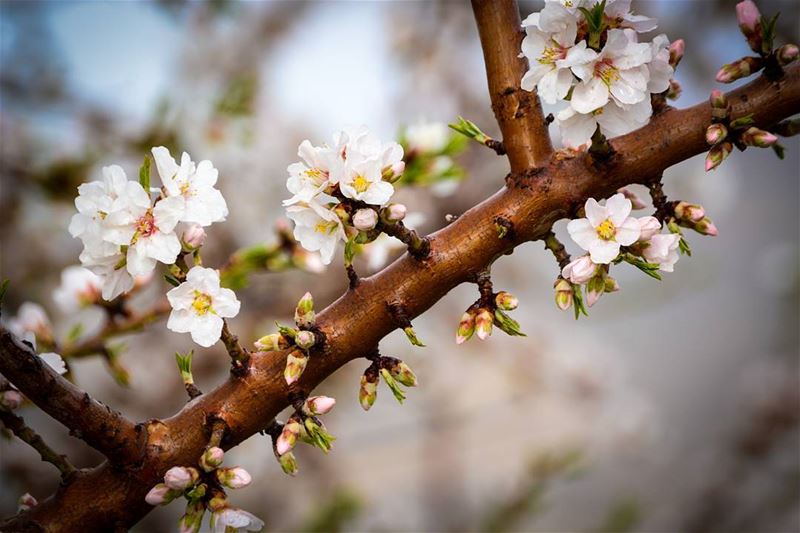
point(662, 249)
point(79, 288)
point(362, 180)
point(95, 201)
point(317, 229)
point(577, 129)
point(233, 519)
point(580, 270)
point(199, 304)
point(605, 228)
point(321, 167)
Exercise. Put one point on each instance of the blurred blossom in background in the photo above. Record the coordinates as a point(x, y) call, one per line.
point(674, 406)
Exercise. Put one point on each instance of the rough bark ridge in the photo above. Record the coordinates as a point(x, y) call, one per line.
point(540, 190)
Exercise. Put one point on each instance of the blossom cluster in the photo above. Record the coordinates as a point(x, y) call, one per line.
point(343, 189)
point(126, 231)
point(588, 54)
point(305, 426)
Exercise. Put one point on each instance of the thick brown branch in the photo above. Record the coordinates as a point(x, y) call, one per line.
point(101, 428)
point(17, 426)
point(518, 112)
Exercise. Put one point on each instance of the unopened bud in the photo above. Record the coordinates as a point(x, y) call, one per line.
point(368, 391)
point(26, 502)
point(288, 463)
point(272, 342)
point(295, 365)
point(403, 374)
point(233, 478)
point(305, 339)
point(579, 270)
point(636, 200)
point(304, 313)
point(411, 335)
point(161, 495)
point(676, 50)
point(675, 89)
point(318, 434)
point(466, 327)
point(212, 458)
point(739, 69)
point(648, 226)
point(192, 518)
point(716, 133)
point(611, 284)
point(596, 288)
point(483, 323)
point(564, 294)
point(506, 301)
point(706, 227)
point(394, 172)
point(394, 386)
point(756, 137)
point(10, 400)
point(718, 154)
point(689, 212)
point(787, 53)
point(750, 23)
point(718, 99)
point(394, 212)
point(194, 237)
point(289, 435)
point(318, 405)
point(365, 219)
point(181, 478)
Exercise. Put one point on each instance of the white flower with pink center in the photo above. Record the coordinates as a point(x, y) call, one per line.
point(662, 249)
point(605, 228)
point(80, 287)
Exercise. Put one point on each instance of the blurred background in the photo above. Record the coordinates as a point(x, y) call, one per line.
point(674, 406)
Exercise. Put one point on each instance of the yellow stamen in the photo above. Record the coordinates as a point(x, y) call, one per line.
point(360, 183)
point(325, 227)
point(606, 71)
point(201, 303)
point(606, 230)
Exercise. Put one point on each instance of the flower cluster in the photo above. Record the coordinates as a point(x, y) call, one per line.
point(588, 53)
point(394, 373)
point(204, 489)
point(125, 231)
point(304, 425)
point(342, 190)
point(488, 311)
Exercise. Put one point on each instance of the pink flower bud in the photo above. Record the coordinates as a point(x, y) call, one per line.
point(689, 212)
point(10, 399)
point(466, 327)
point(636, 201)
point(272, 342)
point(368, 391)
point(739, 69)
point(706, 227)
point(564, 294)
point(579, 270)
point(234, 478)
point(161, 495)
point(716, 133)
point(506, 301)
point(675, 90)
point(717, 155)
point(318, 405)
point(398, 168)
point(305, 339)
point(296, 363)
point(676, 50)
point(787, 53)
point(718, 99)
point(365, 219)
point(648, 226)
point(394, 212)
point(212, 458)
point(757, 137)
point(26, 502)
point(750, 23)
point(484, 321)
point(180, 478)
point(194, 236)
point(288, 437)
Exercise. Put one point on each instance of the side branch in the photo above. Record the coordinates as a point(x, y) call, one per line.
point(105, 430)
point(17, 426)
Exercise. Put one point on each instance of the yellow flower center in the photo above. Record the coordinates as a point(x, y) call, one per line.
point(145, 226)
point(325, 227)
point(551, 54)
point(360, 183)
point(201, 303)
point(606, 71)
point(316, 175)
point(185, 189)
point(606, 230)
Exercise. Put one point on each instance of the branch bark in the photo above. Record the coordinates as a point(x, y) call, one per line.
point(533, 200)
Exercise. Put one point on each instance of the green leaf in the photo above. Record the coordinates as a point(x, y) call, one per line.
point(577, 301)
point(779, 150)
point(397, 391)
point(651, 269)
point(171, 280)
point(507, 324)
point(144, 174)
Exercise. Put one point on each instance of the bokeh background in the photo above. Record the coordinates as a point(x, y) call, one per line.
point(674, 406)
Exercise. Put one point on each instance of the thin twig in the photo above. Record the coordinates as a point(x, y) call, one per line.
point(16, 424)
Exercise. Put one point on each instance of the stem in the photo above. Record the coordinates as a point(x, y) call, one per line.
point(552, 243)
point(17, 426)
point(418, 247)
point(239, 356)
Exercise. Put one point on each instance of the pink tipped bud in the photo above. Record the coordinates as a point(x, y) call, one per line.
point(483, 323)
point(288, 437)
point(675, 90)
point(579, 270)
point(161, 495)
point(368, 391)
point(181, 478)
point(676, 50)
point(272, 342)
point(689, 212)
point(365, 219)
point(716, 133)
point(305, 339)
point(706, 227)
point(26, 502)
point(304, 312)
point(750, 23)
point(403, 374)
point(394, 212)
point(611, 284)
point(318, 405)
point(739, 69)
point(394, 172)
point(10, 400)
point(466, 327)
point(506, 301)
point(564, 294)
point(648, 226)
point(717, 155)
point(788, 53)
point(596, 288)
point(718, 99)
point(194, 237)
point(234, 478)
point(295, 365)
point(399, 167)
point(212, 458)
point(636, 200)
point(757, 137)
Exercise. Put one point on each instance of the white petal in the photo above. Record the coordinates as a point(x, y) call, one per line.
point(225, 303)
point(168, 212)
point(582, 232)
point(628, 233)
point(181, 321)
point(618, 208)
point(595, 212)
point(589, 95)
point(54, 361)
point(603, 252)
point(207, 331)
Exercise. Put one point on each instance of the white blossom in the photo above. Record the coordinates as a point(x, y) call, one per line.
point(54, 361)
point(317, 229)
point(605, 228)
point(95, 201)
point(30, 321)
point(199, 304)
point(200, 202)
point(79, 288)
point(320, 168)
point(614, 120)
point(662, 249)
point(580, 270)
point(363, 180)
point(235, 519)
point(112, 270)
point(427, 136)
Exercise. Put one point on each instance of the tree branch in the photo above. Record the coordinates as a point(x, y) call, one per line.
point(105, 430)
point(17, 426)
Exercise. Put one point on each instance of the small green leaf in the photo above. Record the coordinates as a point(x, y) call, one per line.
point(397, 391)
point(144, 174)
point(171, 280)
point(577, 301)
